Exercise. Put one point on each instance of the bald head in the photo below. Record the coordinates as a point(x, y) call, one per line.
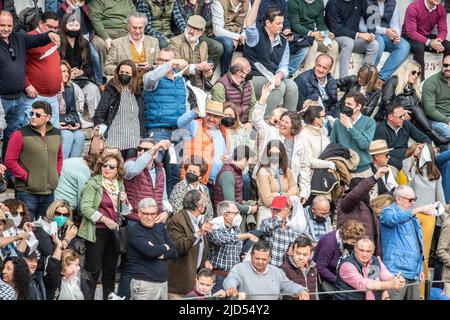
point(320, 207)
point(320, 200)
point(242, 62)
point(6, 25)
point(5, 13)
point(239, 69)
point(404, 197)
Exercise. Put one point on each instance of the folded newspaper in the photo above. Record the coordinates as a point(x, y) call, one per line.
point(266, 73)
point(201, 97)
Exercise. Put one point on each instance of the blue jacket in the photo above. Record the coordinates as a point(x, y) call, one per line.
point(308, 88)
point(164, 105)
point(442, 161)
point(400, 231)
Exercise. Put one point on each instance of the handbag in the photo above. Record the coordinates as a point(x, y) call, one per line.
point(120, 234)
point(69, 119)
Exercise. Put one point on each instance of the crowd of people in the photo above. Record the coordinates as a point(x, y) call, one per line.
point(278, 181)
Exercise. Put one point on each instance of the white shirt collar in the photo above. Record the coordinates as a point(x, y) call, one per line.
point(428, 8)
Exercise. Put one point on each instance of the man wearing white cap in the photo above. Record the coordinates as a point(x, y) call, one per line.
point(380, 156)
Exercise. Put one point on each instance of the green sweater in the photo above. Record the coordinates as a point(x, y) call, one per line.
point(436, 98)
point(306, 17)
point(109, 14)
point(358, 138)
point(227, 182)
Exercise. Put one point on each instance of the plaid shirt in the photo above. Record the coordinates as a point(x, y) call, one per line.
point(280, 238)
point(6, 291)
point(190, 10)
point(224, 248)
point(177, 16)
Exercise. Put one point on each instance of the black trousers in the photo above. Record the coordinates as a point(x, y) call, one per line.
point(102, 256)
point(418, 49)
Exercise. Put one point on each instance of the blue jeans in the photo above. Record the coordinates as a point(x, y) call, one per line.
point(442, 128)
point(96, 65)
point(53, 102)
point(37, 204)
point(172, 170)
point(398, 54)
point(52, 5)
point(296, 60)
point(227, 56)
point(125, 277)
point(14, 116)
point(72, 143)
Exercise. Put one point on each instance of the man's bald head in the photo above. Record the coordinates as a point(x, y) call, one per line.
point(242, 62)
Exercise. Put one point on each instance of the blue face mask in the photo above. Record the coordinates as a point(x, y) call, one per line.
point(60, 220)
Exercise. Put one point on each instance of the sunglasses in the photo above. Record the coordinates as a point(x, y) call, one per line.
point(12, 53)
point(107, 165)
point(410, 200)
point(139, 149)
point(446, 65)
point(38, 115)
point(59, 213)
point(414, 72)
point(162, 60)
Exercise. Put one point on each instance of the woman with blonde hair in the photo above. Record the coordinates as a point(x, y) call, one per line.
point(404, 89)
point(366, 83)
point(103, 201)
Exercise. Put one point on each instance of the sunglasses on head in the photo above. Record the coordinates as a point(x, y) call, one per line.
point(107, 165)
point(12, 53)
point(446, 65)
point(414, 72)
point(38, 115)
point(59, 213)
point(139, 149)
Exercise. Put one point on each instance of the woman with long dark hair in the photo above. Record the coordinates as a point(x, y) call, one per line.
point(75, 50)
point(16, 273)
point(121, 110)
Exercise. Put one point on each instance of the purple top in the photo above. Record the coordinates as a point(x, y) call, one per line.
point(420, 22)
point(106, 208)
point(326, 256)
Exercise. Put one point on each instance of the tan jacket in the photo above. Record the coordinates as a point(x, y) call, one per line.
point(183, 50)
point(120, 50)
point(443, 248)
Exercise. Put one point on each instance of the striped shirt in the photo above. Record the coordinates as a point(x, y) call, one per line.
point(124, 131)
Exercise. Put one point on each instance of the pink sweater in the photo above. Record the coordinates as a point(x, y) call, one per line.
point(420, 22)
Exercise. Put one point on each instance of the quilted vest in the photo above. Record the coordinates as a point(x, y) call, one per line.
point(201, 145)
point(234, 21)
point(238, 185)
point(141, 187)
point(389, 7)
point(240, 97)
point(164, 105)
point(264, 53)
point(374, 274)
point(161, 15)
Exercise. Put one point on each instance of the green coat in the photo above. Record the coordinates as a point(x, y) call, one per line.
point(91, 197)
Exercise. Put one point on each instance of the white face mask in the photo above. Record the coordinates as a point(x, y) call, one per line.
point(17, 220)
point(237, 220)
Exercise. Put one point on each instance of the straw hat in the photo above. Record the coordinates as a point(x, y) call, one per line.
point(214, 107)
point(379, 146)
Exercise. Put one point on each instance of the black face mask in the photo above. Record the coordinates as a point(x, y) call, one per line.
point(347, 111)
point(72, 33)
point(249, 76)
point(349, 247)
point(191, 177)
point(124, 79)
point(320, 219)
point(228, 122)
point(275, 159)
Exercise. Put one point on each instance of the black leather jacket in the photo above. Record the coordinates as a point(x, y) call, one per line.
point(350, 83)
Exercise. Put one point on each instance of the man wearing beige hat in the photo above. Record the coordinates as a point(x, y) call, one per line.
point(187, 46)
point(208, 140)
point(380, 156)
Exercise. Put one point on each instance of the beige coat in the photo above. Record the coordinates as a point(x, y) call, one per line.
point(120, 50)
point(443, 248)
point(315, 141)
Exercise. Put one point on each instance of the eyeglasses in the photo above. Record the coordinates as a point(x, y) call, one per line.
point(59, 213)
point(403, 116)
point(107, 165)
point(162, 60)
point(147, 214)
point(414, 72)
point(446, 65)
point(38, 115)
point(410, 200)
point(320, 117)
point(12, 53)
point(139, 149)
point(233, 212)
